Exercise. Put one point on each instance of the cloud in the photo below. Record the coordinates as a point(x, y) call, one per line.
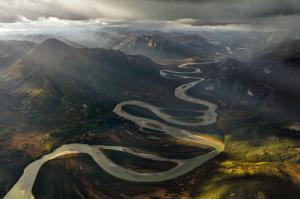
point(201, 22)
point(147, 9)
point(13, 10)
point(256, 13)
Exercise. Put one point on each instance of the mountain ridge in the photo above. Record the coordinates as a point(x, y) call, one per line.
point(55, 69)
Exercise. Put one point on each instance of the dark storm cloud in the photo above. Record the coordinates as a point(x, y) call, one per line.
point(199, 12)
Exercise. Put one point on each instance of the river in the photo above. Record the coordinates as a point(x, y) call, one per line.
point(23, 187)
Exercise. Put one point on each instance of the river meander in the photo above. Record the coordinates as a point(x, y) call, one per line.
point(23, 187)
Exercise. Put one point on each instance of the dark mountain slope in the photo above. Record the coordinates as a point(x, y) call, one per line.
point(280, 67)
point(286, 53)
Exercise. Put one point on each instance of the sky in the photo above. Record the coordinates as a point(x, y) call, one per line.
point(264, 15)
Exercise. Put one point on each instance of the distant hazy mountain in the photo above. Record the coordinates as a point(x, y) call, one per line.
point(39, 38)
point(53, 71)
point(158, 44)
point(11, 51)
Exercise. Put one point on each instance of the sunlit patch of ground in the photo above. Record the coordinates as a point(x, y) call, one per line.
point(159, 194)
point(255, 168)
point(271, 149)
point(32, 143)
point(251, 180)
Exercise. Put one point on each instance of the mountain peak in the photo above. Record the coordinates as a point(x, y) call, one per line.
point(53, 43)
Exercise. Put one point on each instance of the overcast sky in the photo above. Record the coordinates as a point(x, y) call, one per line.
point(260, 14)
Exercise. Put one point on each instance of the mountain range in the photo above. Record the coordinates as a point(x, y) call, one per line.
point(53, 71)
point(160, 45)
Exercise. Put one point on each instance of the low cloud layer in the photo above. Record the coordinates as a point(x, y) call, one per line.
point(273, 14)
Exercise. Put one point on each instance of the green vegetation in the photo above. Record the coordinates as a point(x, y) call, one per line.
point(271, 149)
point(235, 179)
point(254, 166)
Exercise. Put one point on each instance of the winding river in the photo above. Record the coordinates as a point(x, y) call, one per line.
point(23, 188)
